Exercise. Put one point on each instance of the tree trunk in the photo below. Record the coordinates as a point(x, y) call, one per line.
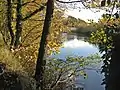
point(114, 73)
point(39, 74)
point(9, 19)
point(18, 24)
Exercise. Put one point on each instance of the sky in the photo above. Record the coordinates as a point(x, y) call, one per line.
point(86, 14)
point(78, 10)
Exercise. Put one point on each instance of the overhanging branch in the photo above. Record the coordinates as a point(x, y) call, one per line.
point(60, 1)
point(28, 2)
point(33, 13)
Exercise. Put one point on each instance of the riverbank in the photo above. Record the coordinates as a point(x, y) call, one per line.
point(84, 30)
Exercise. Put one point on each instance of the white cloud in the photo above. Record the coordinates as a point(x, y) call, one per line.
point(75, 43)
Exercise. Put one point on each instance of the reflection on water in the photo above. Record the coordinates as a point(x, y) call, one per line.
point(75, 47)
point(75, 43)
point(78, 47)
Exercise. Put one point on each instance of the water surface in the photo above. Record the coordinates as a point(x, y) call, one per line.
point(74, 46)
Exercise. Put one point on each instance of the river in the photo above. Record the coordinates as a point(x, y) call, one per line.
point(76, 46)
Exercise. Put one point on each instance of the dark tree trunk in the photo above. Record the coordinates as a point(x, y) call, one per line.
point(114, 73)
point(39, 74)
point(9, 18)
point(18, 24)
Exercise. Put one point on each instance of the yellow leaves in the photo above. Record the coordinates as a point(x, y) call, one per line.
point(54, 38)
point(31, 35)
point(12, 63)
point(98, 37)
point(94, 4)
point(104, 40)
point(109, 21)
point(53, 47)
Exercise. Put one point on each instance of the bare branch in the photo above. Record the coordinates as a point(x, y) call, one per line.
point(28, 2)
point(36, 20)
point(68, 1)
point(29, 32)
point(33, 13)
point(55, 83)
point(33, 41)
point(3, 36)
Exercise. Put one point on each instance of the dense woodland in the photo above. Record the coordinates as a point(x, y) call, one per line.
point(30, 31)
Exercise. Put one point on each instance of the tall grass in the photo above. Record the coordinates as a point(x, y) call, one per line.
point(8, 58)
point(14, 65)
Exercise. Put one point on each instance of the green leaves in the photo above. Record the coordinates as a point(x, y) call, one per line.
point(69, 68)
point(84, 74)
point(103, 38)
point(103, 3)
point(108, 2)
